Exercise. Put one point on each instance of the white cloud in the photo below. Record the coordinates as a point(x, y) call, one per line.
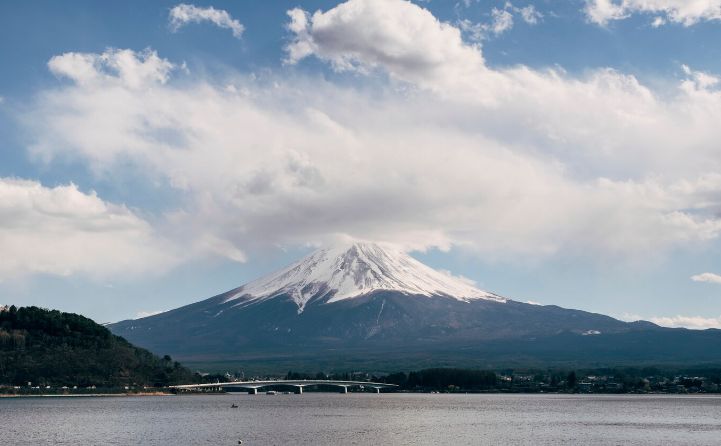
point(222, 248)
point(121, 67)
point(707, 277)
point(502, 21)
point(691, 322)
point(62, 231)
point(699, 80)
point(530, 14)
point(476, 32)
point(465, 3)
point(685, 12)
point(142, 313)
point(658, 21)
point(361, 34)
point(511, 163)
point(460, 277)
point(603, 11)
point(183, 14)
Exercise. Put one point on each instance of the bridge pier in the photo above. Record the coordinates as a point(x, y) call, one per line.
point(299, 390)
point(344, 389)
point(377, 389)
point(253, 391)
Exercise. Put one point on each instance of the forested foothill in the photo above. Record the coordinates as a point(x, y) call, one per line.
point(49, 351)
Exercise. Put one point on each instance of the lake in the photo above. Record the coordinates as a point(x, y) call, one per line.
point(363, 419)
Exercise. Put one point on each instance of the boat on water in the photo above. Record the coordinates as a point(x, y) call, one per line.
point(233, 406)
point(271, 392)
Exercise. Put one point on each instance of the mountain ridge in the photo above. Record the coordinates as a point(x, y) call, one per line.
point(346, 305)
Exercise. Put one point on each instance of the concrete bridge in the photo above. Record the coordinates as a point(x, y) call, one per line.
point(298, 384)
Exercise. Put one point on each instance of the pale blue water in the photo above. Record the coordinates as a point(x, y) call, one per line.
point(363, 419)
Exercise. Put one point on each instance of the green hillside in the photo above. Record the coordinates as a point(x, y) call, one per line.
point(49, 347)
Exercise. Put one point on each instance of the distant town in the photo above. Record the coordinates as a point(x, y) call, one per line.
point(617, 380)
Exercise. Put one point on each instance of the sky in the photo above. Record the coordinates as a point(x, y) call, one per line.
point(565, 152)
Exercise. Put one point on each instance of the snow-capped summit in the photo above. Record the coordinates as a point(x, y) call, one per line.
point(372, 304)
point(348, 271)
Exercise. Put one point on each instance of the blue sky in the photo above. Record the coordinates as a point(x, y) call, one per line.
point(562, 152)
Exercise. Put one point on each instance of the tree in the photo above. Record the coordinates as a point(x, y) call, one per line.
point(571, 380)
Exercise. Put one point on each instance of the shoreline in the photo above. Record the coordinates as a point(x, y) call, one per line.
point(147, 394)
point(89, 395)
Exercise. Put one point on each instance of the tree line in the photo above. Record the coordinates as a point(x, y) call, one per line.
point(49, 347)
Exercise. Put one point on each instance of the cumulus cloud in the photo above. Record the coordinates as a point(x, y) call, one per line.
point(121, 67)
point(183, 14)
point(62, 231)
point(510, 163)
point(361, 34)
point(707, 277)
point(685, 12)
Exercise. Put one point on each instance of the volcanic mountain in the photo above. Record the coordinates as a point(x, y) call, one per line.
point(367, 305)
point(348, 272)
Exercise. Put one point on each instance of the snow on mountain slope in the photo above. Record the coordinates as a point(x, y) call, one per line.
point(350, 271)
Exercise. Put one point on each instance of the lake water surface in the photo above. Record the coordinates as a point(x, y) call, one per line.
point(363, 419)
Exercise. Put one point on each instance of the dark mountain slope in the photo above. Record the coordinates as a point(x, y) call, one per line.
point(48, 347)
point(392, 328)
point(366, 305)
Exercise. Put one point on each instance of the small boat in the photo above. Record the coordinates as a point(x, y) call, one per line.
point(270, 392)
point(233, 406)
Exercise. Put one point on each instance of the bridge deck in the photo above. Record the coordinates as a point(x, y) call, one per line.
point(298, 383)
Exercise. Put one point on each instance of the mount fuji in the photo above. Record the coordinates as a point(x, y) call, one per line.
point(347, 272)
point(368, 305)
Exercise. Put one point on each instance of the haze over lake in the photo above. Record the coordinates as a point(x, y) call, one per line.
point(364, 419)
